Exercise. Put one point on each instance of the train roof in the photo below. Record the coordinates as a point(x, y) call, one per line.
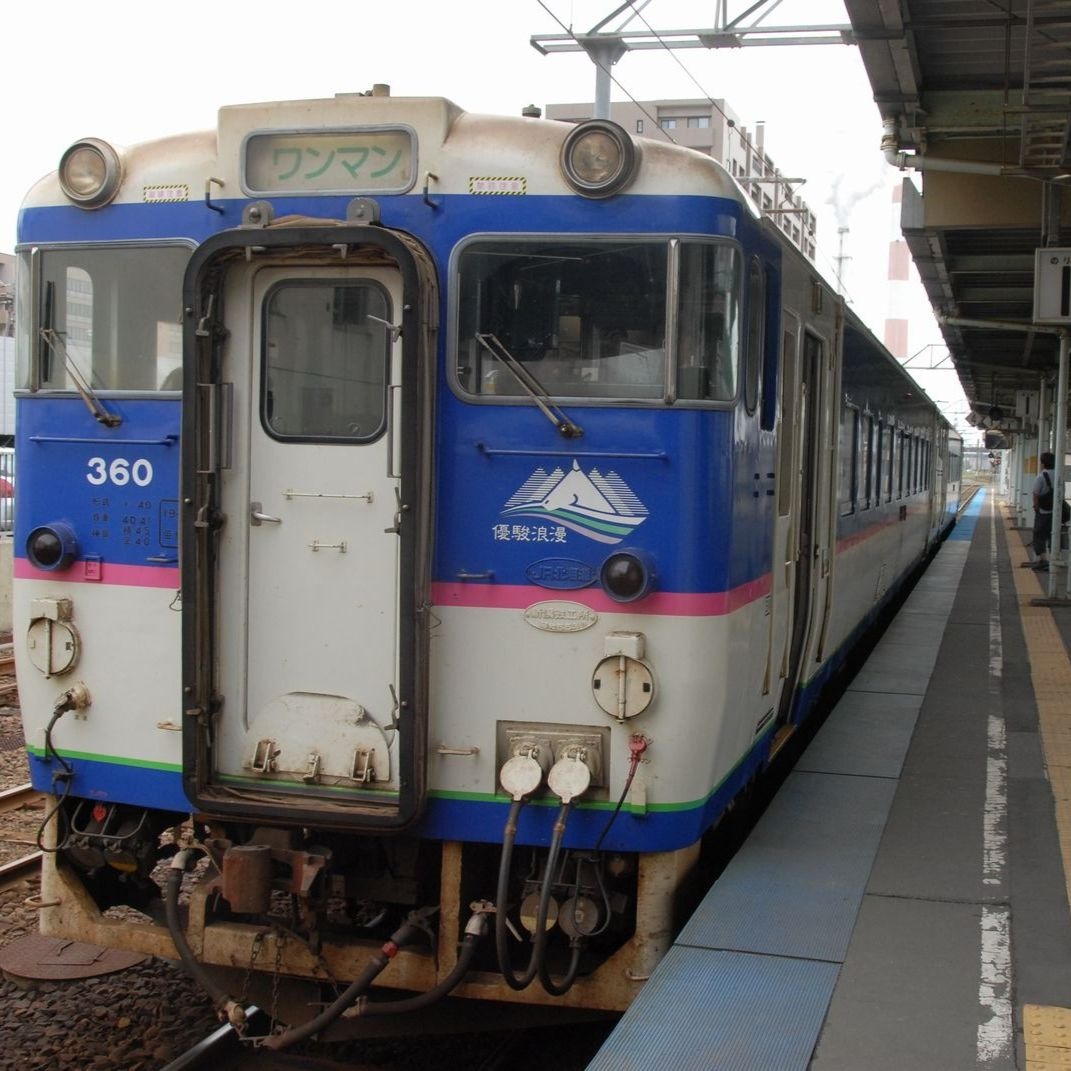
point(452, 145)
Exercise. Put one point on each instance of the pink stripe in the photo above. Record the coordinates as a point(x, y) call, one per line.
point(135, 576)
point(670, 604)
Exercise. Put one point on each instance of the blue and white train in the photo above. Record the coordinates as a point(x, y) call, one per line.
point(428, 523)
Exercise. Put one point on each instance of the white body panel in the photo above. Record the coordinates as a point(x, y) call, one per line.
point(132, 672)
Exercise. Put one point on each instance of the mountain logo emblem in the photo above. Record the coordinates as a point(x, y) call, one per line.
point(600, 507)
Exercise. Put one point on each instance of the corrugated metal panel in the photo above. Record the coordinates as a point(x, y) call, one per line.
point(795, 887)
point(722, 1010)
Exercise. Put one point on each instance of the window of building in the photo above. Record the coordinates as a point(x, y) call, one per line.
point(701, 122)
point(639, 126)
point(668, 124)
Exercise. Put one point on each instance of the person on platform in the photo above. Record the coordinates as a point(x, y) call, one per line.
point(1043, 503)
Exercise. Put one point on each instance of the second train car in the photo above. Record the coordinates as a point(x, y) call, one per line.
point(428, 524)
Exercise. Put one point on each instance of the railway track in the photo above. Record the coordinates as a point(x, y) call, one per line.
point(26, 866)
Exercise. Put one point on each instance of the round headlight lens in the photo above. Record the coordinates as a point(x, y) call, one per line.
point(90, 173)
point(599, 158)
point(625, 577)
point(51, 547)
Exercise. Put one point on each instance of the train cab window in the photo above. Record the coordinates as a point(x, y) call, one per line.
point(756, 323)
point(708, 322)
point(585, 318)
point(109, 318)
point(325, 353)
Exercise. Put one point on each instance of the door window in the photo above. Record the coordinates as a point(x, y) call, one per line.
point(326, 351)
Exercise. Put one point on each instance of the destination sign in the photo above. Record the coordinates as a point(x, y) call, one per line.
point(329, 161)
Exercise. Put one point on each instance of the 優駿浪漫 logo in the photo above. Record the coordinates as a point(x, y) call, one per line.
point(596, 505)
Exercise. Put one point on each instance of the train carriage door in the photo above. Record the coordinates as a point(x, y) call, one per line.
point(798, 495)
point(312, 630)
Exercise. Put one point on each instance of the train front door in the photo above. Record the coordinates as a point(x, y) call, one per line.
point(313, 630)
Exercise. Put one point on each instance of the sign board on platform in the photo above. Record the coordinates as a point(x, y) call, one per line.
point(1052, 286)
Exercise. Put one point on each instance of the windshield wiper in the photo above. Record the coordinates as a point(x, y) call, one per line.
point(53, 341)
point(531, 386)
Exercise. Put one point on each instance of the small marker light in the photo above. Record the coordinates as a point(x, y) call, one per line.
point(51, 547)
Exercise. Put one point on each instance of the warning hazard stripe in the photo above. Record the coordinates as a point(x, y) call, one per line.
point(172, 194)
point(498, 184)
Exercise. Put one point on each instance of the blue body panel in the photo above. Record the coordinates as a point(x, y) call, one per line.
point(113, 782)
point(131, 523)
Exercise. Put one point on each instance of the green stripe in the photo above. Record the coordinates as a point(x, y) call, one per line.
point(114, 760)
point(338, 790)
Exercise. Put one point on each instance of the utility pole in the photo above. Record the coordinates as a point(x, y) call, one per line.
point(605, 47)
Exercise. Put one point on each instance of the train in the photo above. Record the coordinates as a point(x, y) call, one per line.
point(428, 525)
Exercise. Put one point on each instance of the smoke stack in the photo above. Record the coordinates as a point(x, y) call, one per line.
point(896, 319)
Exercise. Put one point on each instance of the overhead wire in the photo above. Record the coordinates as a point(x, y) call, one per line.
point(826, 259)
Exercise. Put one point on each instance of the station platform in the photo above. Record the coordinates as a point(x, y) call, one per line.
point(903, 902)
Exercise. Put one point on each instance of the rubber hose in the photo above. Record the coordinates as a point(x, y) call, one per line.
point(371, 971)
point(423, 1000)
point(559, 989)
point(174, 924)
point(501, 904)
point(540, 936)
point(539, 952)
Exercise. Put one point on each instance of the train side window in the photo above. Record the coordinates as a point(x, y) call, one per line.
point(325, 353)
point(879, 453)
point(866, 474)
point(708, 322)
point(788, 424)
point(848, 453)
point(891, 441)
point(756, 324)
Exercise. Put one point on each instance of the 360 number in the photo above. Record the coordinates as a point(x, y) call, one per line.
point(120, 471)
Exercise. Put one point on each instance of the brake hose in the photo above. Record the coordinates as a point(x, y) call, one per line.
point(356, 988)
point(474, 931)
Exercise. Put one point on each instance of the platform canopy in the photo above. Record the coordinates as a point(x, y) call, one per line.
point(975, 96)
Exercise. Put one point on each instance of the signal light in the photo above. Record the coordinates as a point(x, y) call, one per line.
point(626, 577)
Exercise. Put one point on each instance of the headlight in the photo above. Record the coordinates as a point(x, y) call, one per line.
point(51, 547)
point(599, 158)
point(90, 173)
point(626, 576)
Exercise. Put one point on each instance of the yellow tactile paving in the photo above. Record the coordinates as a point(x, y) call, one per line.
point(1047, 1036)
point(1047, 1030)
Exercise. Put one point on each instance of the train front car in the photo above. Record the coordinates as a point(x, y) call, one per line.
point(479, 513)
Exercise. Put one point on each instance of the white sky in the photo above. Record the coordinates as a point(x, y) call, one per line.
point(134, 72)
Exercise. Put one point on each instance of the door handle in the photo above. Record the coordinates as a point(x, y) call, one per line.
point(256, 518)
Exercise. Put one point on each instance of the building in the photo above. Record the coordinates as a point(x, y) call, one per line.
point(7, 295)
point(711, 127)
